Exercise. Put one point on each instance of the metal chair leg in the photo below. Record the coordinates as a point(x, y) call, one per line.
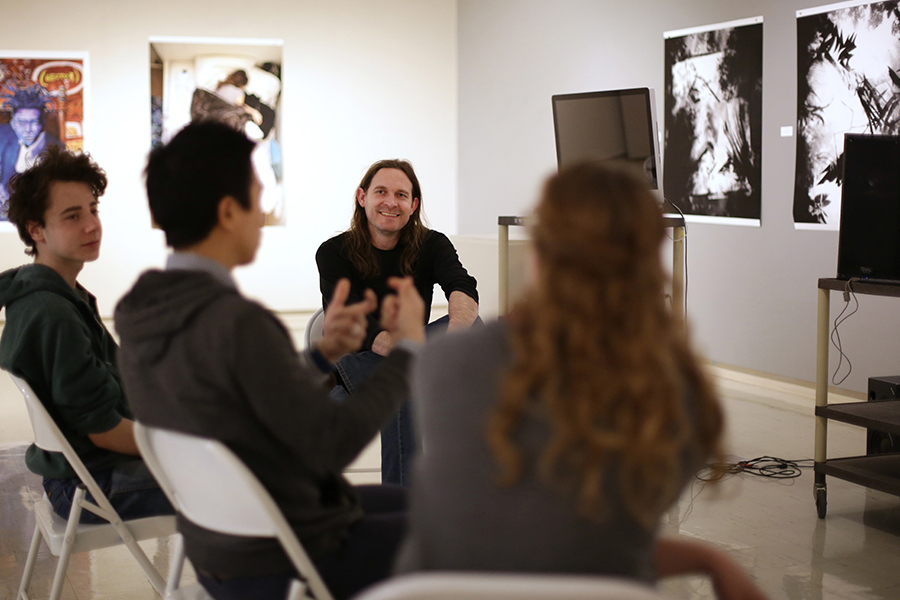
point(29, 563)
point(297, 590)
point(66, 551)
point(176, 566)
point(159, 585)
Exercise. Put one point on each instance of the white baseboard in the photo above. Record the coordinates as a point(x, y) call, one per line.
point(779, 391)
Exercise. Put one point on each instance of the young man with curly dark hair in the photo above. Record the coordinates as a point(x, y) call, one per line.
point(55, 340)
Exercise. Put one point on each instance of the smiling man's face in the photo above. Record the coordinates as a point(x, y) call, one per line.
point(389, 203)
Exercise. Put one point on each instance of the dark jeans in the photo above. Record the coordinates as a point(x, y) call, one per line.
point(365, 557)
point(398, 442)
point(129, 486)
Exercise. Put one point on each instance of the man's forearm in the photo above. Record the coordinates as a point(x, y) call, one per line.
point(118, 439)
point(462, 311)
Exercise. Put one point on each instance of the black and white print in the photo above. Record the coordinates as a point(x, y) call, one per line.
point(848, 81)
point(713, 121)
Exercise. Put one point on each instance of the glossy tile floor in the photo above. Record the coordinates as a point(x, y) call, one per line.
point(769, 526)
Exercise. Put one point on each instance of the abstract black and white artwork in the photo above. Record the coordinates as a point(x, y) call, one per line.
point(713, 122)
point(848, 81)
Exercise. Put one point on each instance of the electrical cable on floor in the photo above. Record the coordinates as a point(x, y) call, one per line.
point(682, 518)
point(836, 337)
point(761, 466)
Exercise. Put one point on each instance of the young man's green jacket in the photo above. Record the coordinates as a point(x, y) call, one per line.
point(54, 339)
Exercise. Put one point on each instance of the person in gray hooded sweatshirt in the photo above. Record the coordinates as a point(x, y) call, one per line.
point(199, 357)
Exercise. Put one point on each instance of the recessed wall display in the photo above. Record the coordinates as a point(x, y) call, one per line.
point(713, 122)
point(42, 104)
point(235, 81)
point(848, 81)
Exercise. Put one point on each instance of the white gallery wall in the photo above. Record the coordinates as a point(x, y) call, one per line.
point(752, 291)
point(362, 80)
point(462, 88)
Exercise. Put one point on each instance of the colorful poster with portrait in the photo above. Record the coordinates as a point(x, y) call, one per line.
point(42, 104)
point(713, 122)
point(848, 81)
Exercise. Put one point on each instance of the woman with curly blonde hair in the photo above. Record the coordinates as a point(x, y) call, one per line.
point(554, 441)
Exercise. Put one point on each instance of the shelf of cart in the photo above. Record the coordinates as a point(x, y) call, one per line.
point(878, 471)
point(883, 416)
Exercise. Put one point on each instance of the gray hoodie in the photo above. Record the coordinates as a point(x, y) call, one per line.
point(198, 357)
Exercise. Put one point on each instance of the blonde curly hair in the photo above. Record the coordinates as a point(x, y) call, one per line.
point(598, 352)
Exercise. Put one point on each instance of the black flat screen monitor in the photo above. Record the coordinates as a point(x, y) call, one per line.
point(616, 126)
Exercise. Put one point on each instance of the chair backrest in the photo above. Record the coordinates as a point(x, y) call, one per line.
point(210, 485)
point(495, 586)
point(213, 488)
point(47, 435)
point(313, 332)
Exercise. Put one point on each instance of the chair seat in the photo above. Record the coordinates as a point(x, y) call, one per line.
point(503, 586)
point(95, 537)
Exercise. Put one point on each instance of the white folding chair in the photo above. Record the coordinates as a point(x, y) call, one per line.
point(65, 538)
point(496, 586)
point(214, 489)
point(313, 332)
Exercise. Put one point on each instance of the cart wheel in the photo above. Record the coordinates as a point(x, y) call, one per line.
point(821, 503)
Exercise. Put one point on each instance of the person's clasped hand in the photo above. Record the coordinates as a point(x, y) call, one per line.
point(344, 328)
point(403, 313)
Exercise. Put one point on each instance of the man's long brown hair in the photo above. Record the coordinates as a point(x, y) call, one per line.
point(597, 350)
point(359, 243)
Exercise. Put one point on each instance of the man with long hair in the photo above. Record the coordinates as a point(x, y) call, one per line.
point(387, 238)
point(55, 340)
point(557, 439)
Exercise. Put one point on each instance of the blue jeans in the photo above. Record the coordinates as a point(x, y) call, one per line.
point(365, 556)
point(398, 441)
point(129, 486)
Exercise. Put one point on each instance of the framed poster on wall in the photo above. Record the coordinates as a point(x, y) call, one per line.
point(712, 168)
point(43, 103)
point(236, 81)
point(848, 81)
